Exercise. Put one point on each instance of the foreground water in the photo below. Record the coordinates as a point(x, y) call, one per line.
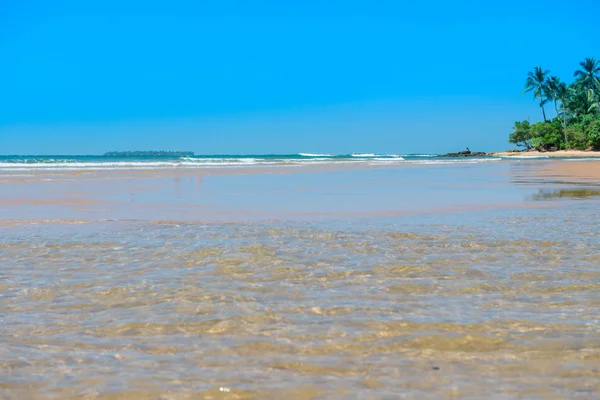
point(495, 301)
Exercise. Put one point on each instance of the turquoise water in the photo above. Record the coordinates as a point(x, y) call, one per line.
point(24, 163)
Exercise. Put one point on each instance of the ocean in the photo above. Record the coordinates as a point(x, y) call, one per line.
point(94, 162)
point(299, 277)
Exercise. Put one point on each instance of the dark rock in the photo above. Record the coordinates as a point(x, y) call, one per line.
point(545, 148)
point(466, 153)
point(435, 368)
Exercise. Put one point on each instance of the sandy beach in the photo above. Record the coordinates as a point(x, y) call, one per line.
point(572, 171)
point(552, 154)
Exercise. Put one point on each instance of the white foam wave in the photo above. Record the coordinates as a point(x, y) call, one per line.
point(318, 161)
point(527, 157)
point(390, 158)
point(457, 161)
point(125, 165)
point(364, 155)
point(32, 161)
point(315, 155)
point(374, 155)
point(216, 162)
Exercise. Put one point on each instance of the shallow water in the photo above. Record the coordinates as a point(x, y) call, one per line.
point(272, 192)
point(500, 303)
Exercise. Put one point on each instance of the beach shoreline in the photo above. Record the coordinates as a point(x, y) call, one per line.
point(281, 193)
point(552, 154)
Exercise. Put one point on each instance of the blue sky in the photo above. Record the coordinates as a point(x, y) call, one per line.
point(268, 76)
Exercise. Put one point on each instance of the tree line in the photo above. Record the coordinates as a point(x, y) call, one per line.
point(577, 107)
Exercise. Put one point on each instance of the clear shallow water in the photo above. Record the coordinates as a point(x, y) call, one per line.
point(270, 192)
point(501, 302)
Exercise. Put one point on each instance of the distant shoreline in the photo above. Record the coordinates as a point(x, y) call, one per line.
point(552, 154)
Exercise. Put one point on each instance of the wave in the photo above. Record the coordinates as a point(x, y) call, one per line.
point(364, 155)
point(456, 161)
point(315, 155)
point(39, 161)
point(123, 165)
point(375, 155)
point(99, 163)
point(390, 158)
point(527, 157)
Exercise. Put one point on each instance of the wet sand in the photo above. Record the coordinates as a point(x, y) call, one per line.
point(282, 192)
point(573, 171)
point(406, 282)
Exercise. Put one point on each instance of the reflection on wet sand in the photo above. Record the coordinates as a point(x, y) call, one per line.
point(566, 193)
point(568, 172)
point(275, 193)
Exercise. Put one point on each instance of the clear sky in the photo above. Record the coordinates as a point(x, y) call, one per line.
point(274, 76)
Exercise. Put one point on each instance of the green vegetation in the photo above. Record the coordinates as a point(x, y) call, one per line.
point(577, 107)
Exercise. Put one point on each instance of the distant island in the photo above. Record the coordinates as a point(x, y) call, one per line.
point(149, 154)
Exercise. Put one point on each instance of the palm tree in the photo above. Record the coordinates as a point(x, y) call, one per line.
point(536, 82)
point(593, 102)
point(552, 84)
point(562, 94)
point(579, 102)
point(589, 75)
point(558, 91)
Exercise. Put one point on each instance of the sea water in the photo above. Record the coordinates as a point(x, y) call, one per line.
point(96, 162)
point(411, 281)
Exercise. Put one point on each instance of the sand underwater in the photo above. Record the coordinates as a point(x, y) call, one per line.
point(416, 281)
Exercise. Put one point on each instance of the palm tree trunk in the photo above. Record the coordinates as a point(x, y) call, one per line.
point(543, 111)
point(565, 124)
